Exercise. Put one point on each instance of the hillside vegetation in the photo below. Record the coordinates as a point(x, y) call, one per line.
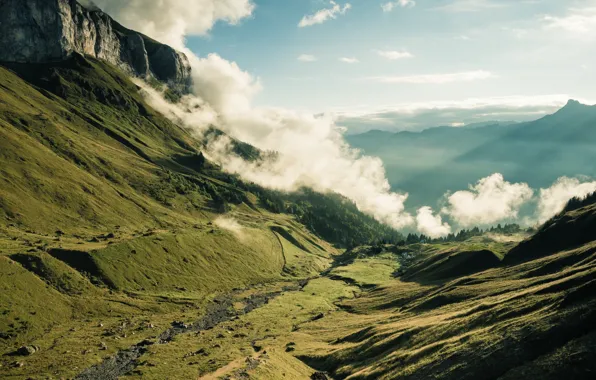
point(124, 253)
point(441, 310)
point(110, 215)
point(81, 150)
point(453, 313)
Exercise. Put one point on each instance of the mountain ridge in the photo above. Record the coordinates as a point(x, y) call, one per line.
point(571, 106)
point(430, 163)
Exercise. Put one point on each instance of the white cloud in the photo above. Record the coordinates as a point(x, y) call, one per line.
point(467, 76)
point(307, 58)
point(471, 5)
point(230, 224)
point(312, 151)
point(389, 6)
point(578, 22)
point(394, 55)
point(222, 84)
point(552, 200)
point(489, 201)
point(324, 15)
point(190, 110)
point(169, 21)
point(431, 225)
point(349, 60)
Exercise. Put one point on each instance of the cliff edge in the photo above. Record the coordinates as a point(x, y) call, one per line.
point(37, 31)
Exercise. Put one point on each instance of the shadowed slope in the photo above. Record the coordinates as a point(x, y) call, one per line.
point(535, 318)
point(566, 230)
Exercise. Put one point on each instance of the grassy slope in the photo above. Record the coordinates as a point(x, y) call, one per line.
point(63, 163)
point(533, 318)
point(90, 170)
point(145, 247)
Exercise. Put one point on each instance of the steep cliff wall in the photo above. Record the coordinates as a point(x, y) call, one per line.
point(51, 30)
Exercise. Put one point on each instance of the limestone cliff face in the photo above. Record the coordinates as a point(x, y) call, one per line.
point(37, 31)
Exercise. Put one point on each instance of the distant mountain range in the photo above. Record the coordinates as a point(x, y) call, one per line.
point(427, 164)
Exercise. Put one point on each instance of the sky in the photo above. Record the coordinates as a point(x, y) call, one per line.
point(375, 63)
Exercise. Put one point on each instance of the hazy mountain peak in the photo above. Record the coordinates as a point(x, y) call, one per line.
point(574, 108)
point(573, 103)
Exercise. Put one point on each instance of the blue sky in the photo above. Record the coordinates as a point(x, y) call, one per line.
point(539, 52)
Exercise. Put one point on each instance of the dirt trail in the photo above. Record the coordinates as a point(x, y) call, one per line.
point(221, 311)
point(283, 252)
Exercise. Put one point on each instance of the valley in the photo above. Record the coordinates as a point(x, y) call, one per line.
point(130, 249)
point(371, 314)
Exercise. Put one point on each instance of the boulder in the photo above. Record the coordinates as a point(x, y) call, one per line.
point(27, 350)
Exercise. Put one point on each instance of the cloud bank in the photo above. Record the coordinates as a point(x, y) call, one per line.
point(430, 224)
point(493, 200)
point(578, 22)
point(553, 199)
point(169, 21)
point(489, 201)
point(312, 151)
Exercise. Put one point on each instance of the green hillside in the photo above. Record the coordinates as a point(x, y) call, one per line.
point(110, 213)
point(125, 254)
point(407, 312)
point(458, 314)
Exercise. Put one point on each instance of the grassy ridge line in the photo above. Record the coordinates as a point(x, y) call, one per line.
point(63, 182)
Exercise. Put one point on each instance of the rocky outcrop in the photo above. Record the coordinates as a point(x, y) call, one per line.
point(37, 31)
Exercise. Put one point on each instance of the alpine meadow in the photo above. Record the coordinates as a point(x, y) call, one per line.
point(306, 189)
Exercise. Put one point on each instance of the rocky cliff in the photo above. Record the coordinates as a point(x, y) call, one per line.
point(36, 31)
